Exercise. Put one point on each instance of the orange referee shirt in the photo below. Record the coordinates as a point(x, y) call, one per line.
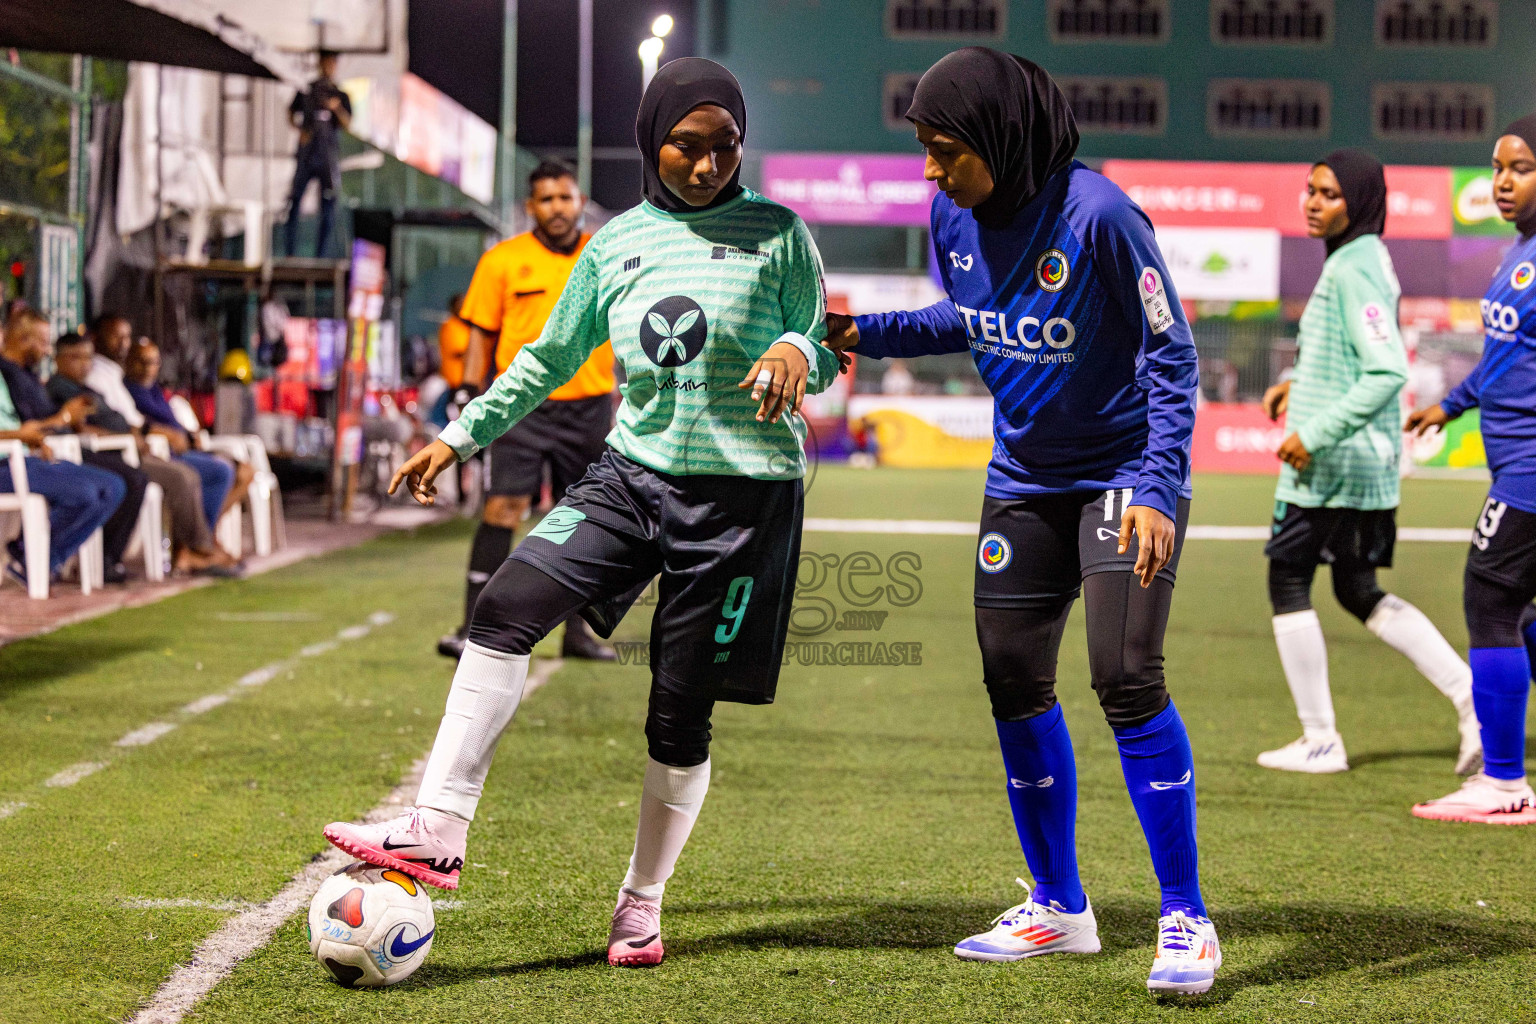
point(452, 347)
point(513, 292)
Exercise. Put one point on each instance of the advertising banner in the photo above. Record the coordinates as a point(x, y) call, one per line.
point(1472, 203)
point(925, 431)
point(831, 188)
point(1223, 263)
point(1458, 446)
point(1260, 195)
point(365, 305)
point(1235, 437)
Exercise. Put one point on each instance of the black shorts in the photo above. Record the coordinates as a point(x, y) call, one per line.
point(726, 549)
point(1504, 546)
point(1037, 551)
point(566, 436)
point(1348, 536)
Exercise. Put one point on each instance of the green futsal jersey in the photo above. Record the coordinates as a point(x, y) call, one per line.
point(1350, 372)
point(690, 302)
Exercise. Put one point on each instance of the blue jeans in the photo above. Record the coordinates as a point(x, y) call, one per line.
point(217, 476)
point(313, 165)
point(80, 500)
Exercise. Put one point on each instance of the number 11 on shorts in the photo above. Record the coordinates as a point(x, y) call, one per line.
point(734, 609)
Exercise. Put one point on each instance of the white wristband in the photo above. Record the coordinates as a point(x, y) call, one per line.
point(806, 346)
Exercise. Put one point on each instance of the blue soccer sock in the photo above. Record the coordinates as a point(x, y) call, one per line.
point(1528, 633)
point(1160, 774)
point(1501, 684)
point(1042, 790)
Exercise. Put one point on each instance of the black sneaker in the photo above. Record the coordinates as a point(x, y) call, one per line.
point(115, 574)
point(451, 645)
point(580, 643)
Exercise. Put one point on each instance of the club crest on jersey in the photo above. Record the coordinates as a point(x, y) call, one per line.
point(995, 553)
point(962, 264)
point(1521, 277)
point(672, 332)
point(1052, 271)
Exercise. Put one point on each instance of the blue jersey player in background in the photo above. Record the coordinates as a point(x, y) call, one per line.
point(1500, 580)
point(1057, 289)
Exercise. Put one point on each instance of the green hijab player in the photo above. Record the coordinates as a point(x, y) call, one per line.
point(712, 296)
point(1336, 502)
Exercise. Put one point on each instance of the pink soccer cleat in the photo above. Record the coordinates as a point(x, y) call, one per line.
point(634, 938)
point(408, 843)
point(1484, 801)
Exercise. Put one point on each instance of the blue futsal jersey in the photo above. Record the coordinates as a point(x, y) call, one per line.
point(1073, 324)
point(1503, 384)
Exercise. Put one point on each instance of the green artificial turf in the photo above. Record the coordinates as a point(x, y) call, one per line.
point(853, 831)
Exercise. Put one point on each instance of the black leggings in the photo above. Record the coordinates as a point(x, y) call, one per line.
point(1126, 625)
point(1354, 584)
point(1497, 613)
point(519, 607)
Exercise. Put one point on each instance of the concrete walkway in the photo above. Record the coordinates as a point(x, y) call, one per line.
point(20, 616)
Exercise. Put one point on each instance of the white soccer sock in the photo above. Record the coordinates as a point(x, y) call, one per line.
point(1304, 656)
point(669, 805)
point(1409, 631)
point(486, 689)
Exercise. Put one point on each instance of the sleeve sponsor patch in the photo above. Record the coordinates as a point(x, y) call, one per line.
point(1376, 324)
point(1154, 300)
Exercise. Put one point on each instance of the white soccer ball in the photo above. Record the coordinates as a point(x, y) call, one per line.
point(370, 926)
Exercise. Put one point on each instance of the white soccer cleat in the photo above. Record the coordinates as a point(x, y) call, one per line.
point(1030, 929)
point(1314, 756)
point(406, 843)
point(1482, 800)
point(1470, 758)
point(1188, 955)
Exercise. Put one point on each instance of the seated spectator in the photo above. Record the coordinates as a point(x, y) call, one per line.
point(192, 544)
point(220, 475)
point(25, 344)
point(80, 498)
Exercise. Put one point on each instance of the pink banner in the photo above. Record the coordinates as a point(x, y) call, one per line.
point(830, 188)
point(1235, 438)
point(1242, 195)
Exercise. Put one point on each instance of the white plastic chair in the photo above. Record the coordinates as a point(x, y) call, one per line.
point(90, 556)
point(230, 529)
point(151, 526)
point(35, 531)
point(268, 529)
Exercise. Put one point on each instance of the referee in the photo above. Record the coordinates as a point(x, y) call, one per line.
point(512, 293)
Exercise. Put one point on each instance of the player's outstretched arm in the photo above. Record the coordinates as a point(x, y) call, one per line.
point(1431, 417)
point(420, 471)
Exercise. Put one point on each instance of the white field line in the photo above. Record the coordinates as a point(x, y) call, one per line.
point(252, 928)
point(73, 774)
point(184, 903)
point(152, 731)
point(144, 735)
point(959, 528)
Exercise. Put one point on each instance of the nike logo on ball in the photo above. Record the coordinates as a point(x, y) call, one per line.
point(399, 949)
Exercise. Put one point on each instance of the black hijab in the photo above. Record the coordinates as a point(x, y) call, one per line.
point(1525, 128)
point(1010, 112)
point(1363, 181)
point(678, 87)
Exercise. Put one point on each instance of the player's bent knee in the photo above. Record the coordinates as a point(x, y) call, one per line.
point(1357, 590)
point(1495, 613)
point(677, 725)
point(1018, 657)
point(505, 512)
point(1135, 695)
point(1290, 587)
point(519, 607)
